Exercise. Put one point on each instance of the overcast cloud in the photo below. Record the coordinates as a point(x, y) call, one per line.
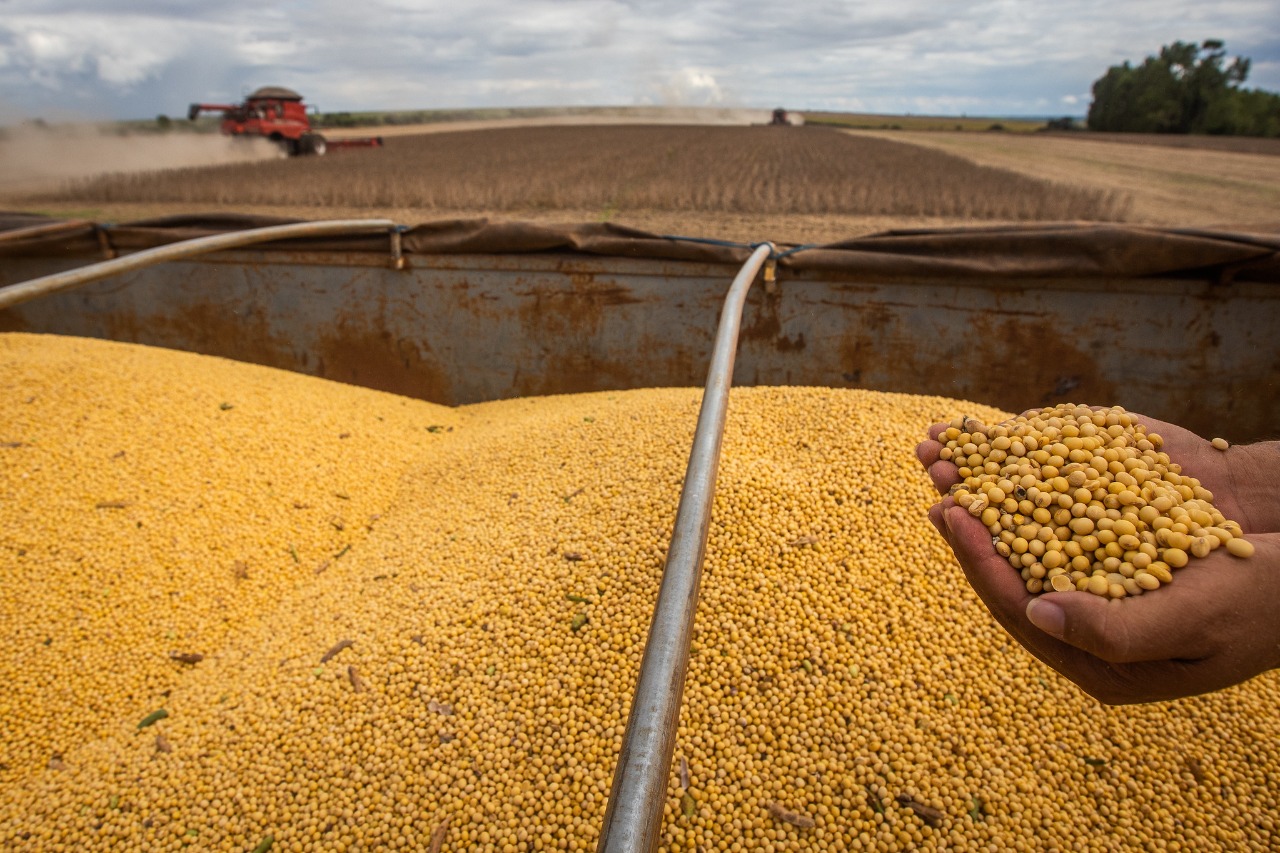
point(138, 58)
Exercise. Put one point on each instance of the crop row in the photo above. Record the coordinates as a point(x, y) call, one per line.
point(770, 170)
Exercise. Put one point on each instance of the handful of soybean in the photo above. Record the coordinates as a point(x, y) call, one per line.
point(1084, 499)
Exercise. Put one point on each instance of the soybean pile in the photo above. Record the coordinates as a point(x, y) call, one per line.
point(249, 610)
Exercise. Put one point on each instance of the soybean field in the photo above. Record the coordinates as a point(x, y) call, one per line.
point(691, 179)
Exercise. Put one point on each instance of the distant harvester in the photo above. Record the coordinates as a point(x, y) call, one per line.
point(278, 114)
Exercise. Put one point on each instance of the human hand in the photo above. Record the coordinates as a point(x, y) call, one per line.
point(1213, 627)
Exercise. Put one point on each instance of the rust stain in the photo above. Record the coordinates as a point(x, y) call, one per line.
point(569, 334)
point(761, 324)
point(214, 330)
point(1011, 360)
point(360, 354)
point(546, 310)
point(477, 301)
point(574, 372)
point(588, 299)
point(201, 327)
point(11, 321)
point(845, 306)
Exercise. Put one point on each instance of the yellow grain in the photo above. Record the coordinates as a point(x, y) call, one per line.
point(1122, 502)
point(847, 690)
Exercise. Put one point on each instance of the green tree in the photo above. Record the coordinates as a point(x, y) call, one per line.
point(1187, 88)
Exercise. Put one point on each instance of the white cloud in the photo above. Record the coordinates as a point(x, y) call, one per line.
point(691, 87)
point(998, 57)
point(117, 50)
point(266, 50)
point(45, 46)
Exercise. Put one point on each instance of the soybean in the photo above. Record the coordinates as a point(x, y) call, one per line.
point(1125, 505)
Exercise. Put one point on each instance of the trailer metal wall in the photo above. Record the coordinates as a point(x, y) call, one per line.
point(459, 329)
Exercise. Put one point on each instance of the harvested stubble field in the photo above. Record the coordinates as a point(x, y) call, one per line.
point(1191, 181)
point(604, 172)
point(1230, 144)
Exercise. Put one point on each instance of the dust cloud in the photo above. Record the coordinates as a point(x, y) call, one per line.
point(707, 115)
point(36, 158)
point(646, 114)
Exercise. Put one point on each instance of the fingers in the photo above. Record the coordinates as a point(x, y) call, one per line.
point(927, 452)
point(942, 474)
point(1003, 591)
point(935, 518)
point(1165, 624)
point(1198, 458)
point(1212, 608)
point(1249, 482)
point(1241, 478)
point(999, 586)
point(1135, 683)
point(1150, 628)
point(1166, 430)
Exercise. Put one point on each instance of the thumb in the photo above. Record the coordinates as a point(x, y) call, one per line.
point(1117, 631)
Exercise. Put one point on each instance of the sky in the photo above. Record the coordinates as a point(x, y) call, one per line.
point(115, 59)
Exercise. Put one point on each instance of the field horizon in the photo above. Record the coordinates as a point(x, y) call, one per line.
point(1164, 181)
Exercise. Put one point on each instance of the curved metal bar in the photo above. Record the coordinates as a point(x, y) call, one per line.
point(25, 291)
point(48, 229)
point(633, 818)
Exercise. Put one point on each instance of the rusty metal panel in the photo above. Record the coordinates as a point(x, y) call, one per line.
point(457, 329)
point(1196, 353)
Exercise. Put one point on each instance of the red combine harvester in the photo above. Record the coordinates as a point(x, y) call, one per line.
point(278, 114)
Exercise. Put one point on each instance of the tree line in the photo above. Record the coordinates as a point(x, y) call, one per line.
point(1188, 88)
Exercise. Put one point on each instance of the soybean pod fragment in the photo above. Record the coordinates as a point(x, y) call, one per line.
point(153, 718)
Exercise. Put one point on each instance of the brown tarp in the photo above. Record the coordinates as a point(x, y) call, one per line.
point(1066, 250)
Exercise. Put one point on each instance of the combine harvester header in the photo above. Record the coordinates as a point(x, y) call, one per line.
point(278, 114)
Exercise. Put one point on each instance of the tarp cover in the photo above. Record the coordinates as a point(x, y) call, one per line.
point(1068, 250)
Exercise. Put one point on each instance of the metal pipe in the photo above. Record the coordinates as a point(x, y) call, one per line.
point(46, 230)
point(25, 291)
point(633, 817)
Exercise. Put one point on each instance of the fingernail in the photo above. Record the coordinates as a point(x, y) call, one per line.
point(1047, 616)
